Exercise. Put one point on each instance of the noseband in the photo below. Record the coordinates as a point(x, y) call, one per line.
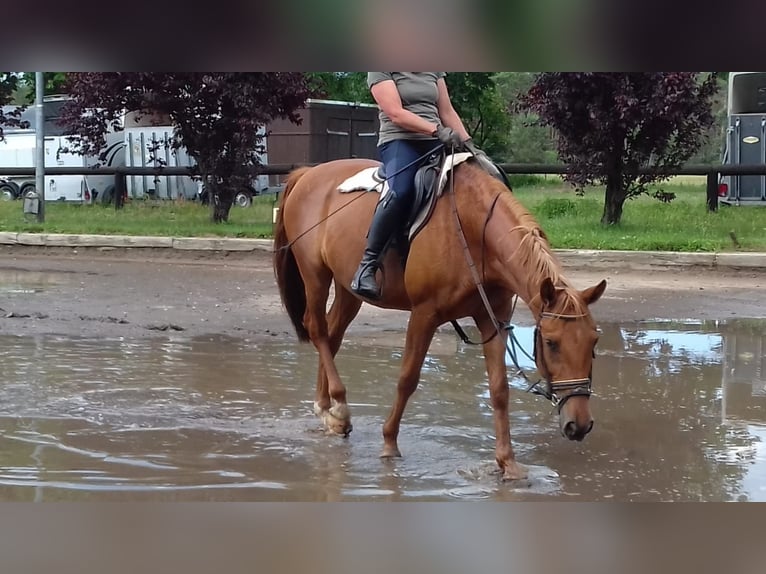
point(548, 388)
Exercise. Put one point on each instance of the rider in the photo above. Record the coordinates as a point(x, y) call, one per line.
point(416, 116)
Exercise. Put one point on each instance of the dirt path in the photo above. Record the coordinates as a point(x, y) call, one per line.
point(140, 293)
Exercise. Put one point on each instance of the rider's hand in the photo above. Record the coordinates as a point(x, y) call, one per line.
point(448, 137)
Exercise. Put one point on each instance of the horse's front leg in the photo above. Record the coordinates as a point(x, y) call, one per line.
point(420, 332)
point(494, 355)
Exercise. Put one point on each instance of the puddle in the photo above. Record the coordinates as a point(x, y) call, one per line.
point(680, 415)
point(19, 282)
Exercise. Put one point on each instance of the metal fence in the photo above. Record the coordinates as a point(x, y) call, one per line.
point(120, 173)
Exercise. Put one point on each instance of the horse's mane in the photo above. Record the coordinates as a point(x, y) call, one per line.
point(534, 254)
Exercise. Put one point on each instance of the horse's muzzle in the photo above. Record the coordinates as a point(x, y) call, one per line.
point(573, 431)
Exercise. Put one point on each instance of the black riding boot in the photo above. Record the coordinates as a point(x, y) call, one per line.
point(386, 220)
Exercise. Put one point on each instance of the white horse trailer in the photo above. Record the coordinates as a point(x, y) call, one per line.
point(148, 143)
point(745, 139)
point(18, 150)
point(141, 141)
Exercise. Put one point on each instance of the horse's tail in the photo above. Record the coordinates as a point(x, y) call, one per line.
point(292, 289)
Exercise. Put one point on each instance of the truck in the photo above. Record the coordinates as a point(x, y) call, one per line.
point(18, 150)
point(745, 141)
point(140, 141)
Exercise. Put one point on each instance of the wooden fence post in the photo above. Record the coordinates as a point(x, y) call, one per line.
point(712, 191)
point(120, 189)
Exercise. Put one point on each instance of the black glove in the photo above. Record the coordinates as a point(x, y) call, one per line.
point(486, 163)
point(448, 137)
point(471, 147)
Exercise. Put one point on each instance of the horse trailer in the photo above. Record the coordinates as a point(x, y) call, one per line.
point(149, 143)
point(329, 130)
point(745, 141)
point(18, 150)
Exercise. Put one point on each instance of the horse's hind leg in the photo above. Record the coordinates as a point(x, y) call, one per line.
point(345, 308)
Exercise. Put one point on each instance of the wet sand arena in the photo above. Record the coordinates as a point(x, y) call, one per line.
point(132, 413)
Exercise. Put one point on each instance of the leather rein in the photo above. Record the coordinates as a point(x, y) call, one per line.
point(544, 387)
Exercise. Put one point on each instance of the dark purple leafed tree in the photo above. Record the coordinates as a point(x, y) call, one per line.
point(608, 125)
point(216, 116)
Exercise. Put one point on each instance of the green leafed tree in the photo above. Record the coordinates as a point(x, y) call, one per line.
point(527, 141)
point(341, 86)
point(474, 95)
point(481, 107)
point(55, 83)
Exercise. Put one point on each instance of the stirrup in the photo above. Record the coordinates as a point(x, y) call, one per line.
point(362, 270)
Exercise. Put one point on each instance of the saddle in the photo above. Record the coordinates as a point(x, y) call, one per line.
point(430, 181)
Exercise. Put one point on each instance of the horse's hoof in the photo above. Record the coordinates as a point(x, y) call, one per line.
point(335, 425)
point(514, 471)
point(336, 420)
point(341, 412)
point(390, 452)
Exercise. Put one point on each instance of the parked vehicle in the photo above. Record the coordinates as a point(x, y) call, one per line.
point(330, 130)
point(745, 139)
point(18, 150)
point(148, 144)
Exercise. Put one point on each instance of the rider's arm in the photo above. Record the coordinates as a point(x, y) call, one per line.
point(387, 97)
point(447, 113)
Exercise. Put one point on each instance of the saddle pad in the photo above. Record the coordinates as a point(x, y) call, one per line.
point(365, 180)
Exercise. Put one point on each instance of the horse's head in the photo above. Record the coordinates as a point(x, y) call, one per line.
point(565, 342)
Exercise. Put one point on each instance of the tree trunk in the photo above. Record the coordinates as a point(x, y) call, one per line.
point(220, 204)
point(614, 199)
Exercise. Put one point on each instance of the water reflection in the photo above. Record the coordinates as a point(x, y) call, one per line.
point(22, 282)
point(679, 416)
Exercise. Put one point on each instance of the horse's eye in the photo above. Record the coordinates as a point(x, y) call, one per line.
point(552, 345)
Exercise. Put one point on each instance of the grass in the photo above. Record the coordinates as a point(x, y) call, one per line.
point(159, 218)
point(647, 225)
point(569, 220)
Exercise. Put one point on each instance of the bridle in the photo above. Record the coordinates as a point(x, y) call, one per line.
point(544, 387)
point(548, 388)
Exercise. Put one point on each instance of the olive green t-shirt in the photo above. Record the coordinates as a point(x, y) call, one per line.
point(419, 94)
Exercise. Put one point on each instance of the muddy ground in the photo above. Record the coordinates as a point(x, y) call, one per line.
point(144, 293)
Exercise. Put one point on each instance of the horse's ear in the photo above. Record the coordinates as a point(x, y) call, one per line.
point(547, 292)
point(593, 294)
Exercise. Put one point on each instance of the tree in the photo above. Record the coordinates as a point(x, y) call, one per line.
point(608, 125)
point(527, 141)
point(55, 83)
point(485, 115)
point(9, 83)
point(473, 94)
point(342, 86)
point(712, 150)
point(217, 116)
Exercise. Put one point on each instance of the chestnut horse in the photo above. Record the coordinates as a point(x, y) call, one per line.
point(319, 239)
